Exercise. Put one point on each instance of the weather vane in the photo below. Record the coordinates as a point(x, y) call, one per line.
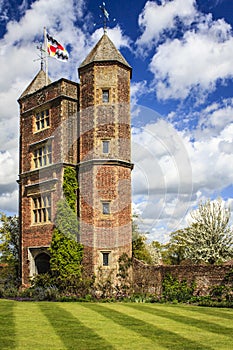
point(105, 16)
point(41, 56)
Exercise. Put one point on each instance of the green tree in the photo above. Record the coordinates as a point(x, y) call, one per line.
point(139, 246)
point(155, 249)
point(9, 252)
point(9, 241)
point(209, 238)
point(174, 251)
point(66, 256)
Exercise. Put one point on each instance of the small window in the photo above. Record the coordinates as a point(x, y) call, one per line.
point(105, 259)
point(106, 208)
point(105, 96)
point(42, 120)
point(105, 146)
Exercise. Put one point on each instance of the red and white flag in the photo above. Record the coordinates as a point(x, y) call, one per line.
point(56, 50)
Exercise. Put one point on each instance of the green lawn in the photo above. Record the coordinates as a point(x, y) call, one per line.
point(78, 326)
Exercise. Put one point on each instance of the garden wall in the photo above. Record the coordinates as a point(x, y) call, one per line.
point(148, 278)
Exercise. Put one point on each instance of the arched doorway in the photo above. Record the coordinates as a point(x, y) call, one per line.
point(42, 262)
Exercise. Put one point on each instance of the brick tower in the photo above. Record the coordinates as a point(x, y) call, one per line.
point(105, 157)
point(85, 126)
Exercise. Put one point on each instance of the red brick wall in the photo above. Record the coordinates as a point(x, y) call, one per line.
point(148, 279)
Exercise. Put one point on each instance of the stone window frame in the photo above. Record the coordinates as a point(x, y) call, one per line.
point(41, 208)
point(106, 258)
point(42, 120)
point(42, 154)
point(105, 95)
point(106, 207)
point(105, 144)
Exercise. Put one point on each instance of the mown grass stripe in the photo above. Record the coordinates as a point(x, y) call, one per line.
point(120, 337)
point(73, 333)
point(62, 326)
point(204, 337)
point(226, 314)
point(195, 312)
point(185, 332)
point(7, 325)
point(33, 331)
point(157, 335)
point(184, 319)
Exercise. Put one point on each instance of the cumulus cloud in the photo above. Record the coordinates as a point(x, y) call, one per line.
point(156, 19)
point(137, 89)
point(194, 57)
point(216, 118)
point(192, 64)
point(174, 169)
point(115, 34)
point(9, 202)
point(162, 175)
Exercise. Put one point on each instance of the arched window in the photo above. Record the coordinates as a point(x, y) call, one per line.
point(42, 262)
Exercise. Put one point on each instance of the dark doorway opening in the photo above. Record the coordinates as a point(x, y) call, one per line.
point(42, 262)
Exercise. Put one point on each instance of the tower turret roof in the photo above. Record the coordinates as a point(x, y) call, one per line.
point(104, 50)
point(37, 83)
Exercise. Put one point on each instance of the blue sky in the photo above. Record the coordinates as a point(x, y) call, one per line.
point(182, 105)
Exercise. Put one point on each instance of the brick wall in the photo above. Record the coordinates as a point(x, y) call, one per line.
point(148, 279)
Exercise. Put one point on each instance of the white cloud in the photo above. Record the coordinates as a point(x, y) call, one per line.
point(8, 168)
point(115, 34)
point(9, 202)
point(194, 57)
point(174, 170)
point(137, 89)
point(162, 176)
point(215, 119)
point(155, 19)
point(194, 63)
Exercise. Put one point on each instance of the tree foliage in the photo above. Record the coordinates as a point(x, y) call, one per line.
point(209, 238)
point(174, 250)
point(66, 256)
point(155, 250)
point(9, 241)
point(139, 246)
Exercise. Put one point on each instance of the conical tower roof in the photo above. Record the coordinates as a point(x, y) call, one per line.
point(104, 50)
point(37, 83)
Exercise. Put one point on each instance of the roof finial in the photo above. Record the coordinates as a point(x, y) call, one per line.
point(40, 48)
point(105, 16)
point(41, 56)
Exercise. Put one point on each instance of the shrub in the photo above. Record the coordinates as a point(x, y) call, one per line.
point(174, 290)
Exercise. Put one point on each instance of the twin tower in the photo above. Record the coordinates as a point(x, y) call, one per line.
point(84, 126)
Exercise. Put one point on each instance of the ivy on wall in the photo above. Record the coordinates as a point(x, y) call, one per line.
point(70, 186)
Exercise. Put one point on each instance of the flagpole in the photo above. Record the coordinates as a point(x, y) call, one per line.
point(46, 57)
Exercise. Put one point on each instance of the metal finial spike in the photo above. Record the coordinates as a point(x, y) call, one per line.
point(41, 56)
point(105, 16)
